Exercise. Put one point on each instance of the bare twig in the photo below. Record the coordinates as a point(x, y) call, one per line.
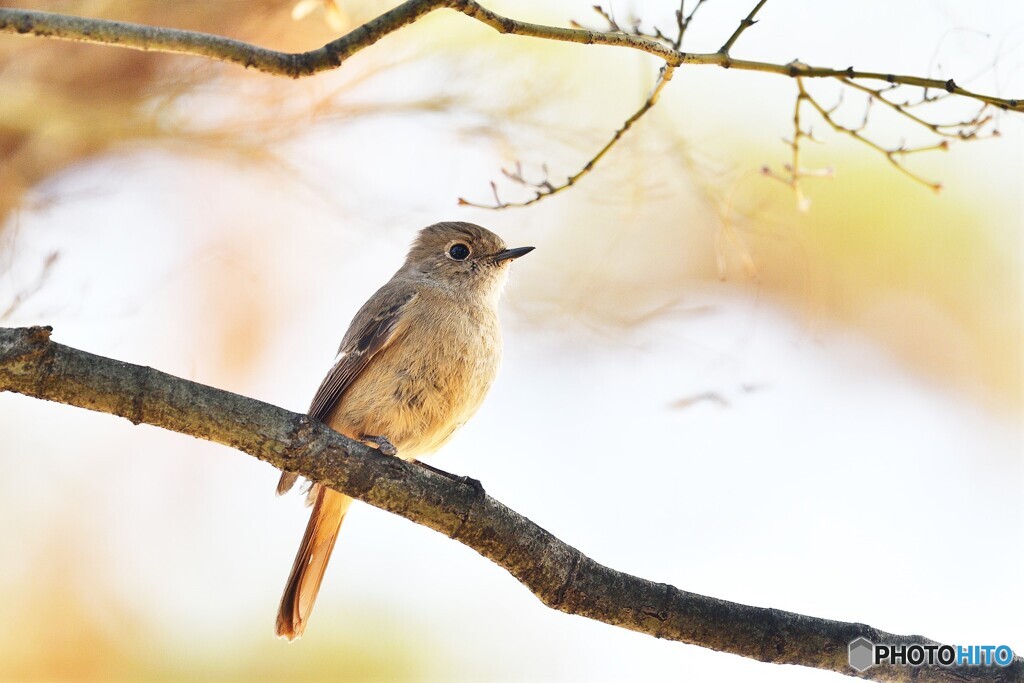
point(894, 156)
point(963, 130)
point(561, 576)
point(545, 188)
point(744, 25)
point(683, 21)
point(612, 24)
point(794, 171)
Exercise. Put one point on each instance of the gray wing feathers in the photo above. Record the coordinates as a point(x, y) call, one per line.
point(371, 330)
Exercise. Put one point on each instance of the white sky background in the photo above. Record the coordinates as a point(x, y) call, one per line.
point(844, 487)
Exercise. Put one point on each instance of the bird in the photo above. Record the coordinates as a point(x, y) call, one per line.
point(415, 364)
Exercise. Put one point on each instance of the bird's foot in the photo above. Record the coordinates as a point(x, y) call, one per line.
point(381, 443)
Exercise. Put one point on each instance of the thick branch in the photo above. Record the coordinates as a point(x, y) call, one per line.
point(561, 576)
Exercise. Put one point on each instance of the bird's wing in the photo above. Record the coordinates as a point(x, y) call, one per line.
point(375, 326)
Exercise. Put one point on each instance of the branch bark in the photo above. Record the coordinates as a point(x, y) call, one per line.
point(561, 576)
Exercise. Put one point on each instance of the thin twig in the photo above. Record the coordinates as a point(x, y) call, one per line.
point(683, 21)
point(545, 188)
point(892, 155)
point(744, 25)
point(963, 130)
point(795, 172)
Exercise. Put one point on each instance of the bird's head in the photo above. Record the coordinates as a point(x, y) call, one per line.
point(463, 256)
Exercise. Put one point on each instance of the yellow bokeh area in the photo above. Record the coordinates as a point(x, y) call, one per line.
point(935, 279)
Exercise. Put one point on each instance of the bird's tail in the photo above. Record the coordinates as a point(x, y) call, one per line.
point(308, 570)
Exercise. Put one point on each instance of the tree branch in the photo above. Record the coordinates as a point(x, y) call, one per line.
point(296, 64)
point(333, 54)
point(561, 576)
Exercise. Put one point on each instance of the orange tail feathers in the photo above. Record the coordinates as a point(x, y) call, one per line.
point(311, 561)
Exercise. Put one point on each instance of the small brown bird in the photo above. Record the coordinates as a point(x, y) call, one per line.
point(414, 366)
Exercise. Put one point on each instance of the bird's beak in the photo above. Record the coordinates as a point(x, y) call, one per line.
point(510, 254)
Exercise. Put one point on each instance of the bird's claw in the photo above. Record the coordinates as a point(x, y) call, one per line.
point(382, 444)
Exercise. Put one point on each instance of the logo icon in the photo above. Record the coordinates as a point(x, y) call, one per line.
point(862, 654)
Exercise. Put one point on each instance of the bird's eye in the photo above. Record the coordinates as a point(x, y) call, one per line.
point(459, 251)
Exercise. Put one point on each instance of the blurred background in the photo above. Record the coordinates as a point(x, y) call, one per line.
point(815, 410)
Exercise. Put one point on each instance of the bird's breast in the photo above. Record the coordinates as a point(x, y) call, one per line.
point(428, 382)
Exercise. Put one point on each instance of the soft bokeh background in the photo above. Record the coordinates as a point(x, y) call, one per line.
point(816, 411)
